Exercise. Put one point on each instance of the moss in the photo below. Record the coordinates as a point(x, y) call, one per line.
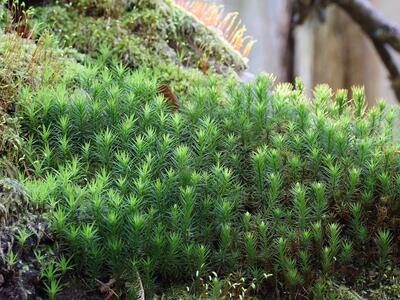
point(10, 142)
point(341, 292)
point(26, 65)
point(183, 81)
point(240, 178)
point(142, 35)
point(256, 162)
point(371, 285)
point(387, 292)
point(389, 289)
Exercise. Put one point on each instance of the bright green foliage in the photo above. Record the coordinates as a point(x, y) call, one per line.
point(25, 65)
point(244, 179)
point(384, 242)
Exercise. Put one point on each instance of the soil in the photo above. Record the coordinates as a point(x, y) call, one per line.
point(23, 280)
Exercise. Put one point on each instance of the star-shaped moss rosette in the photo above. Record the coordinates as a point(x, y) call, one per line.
point(226, 25)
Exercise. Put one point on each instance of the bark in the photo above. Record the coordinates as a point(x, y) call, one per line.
point(342, 55)
point(288, 57)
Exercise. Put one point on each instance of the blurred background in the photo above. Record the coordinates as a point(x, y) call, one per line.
point(333, 50)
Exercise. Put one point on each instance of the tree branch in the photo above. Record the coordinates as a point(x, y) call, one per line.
point(380, 31)
point(371, 21)
point(288, 56)
point(394, 72)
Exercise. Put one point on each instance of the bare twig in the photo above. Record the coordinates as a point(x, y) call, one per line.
point(380, 31)
point(106, 288)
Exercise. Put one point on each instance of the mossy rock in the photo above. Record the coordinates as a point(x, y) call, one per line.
point(142, 33)
point(13, 201)
point(10, 142)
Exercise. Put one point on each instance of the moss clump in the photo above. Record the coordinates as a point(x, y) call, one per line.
point(388, 291)
point(141, 34)
point(240, 190)
point(26, 65)
point(387, 286)
point(245, 180)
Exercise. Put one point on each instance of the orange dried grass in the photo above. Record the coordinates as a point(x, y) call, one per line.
point(212, 15)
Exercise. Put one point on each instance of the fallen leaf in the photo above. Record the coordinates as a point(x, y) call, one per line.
point(169, 96)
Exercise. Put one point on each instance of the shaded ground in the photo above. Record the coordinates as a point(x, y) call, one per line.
point(22, 280)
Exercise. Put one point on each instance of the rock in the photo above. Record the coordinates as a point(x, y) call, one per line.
point(13, 200)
